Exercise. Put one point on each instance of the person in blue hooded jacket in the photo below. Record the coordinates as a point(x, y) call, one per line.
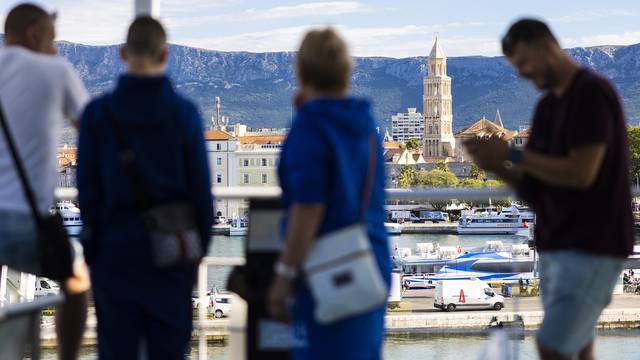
point(322, 171)
point(141, 307)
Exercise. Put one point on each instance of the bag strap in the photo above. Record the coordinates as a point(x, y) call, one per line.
point(367, 190)
point(127, 158)
point(22, 174)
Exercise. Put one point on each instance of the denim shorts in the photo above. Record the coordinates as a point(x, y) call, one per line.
point(576, 287)
point(19, 242)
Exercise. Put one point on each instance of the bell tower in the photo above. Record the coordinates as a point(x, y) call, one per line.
point(437, 106)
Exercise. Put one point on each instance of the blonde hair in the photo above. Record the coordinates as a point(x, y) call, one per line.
point(323, 61)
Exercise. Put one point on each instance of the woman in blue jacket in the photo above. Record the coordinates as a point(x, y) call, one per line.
point(139, 305)
point(322, 173)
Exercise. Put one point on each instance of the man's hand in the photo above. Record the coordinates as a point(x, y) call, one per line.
point(277, 299)
point(489, 154)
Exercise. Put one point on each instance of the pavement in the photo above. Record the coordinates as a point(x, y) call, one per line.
point(421, 300)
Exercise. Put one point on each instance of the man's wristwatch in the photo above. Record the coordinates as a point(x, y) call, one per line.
point(284, 270)
point(513, 157)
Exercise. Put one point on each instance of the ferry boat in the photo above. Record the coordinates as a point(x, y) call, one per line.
point(70, 214)
point(509, 221)
point(239, 227)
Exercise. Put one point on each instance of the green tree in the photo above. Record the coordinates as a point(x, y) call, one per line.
point(412, 144)
point(471, 183)
point(493, 183)
point(442, 166)
point(477, 173)
point(407, 176)
point(634, 151)
point(436, 178)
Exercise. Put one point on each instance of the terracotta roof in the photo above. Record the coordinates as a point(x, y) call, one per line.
point(262, 139)
point(389, 154)
point(483, 127)
point(217, 135)
point(391, 145)
point(524, 133)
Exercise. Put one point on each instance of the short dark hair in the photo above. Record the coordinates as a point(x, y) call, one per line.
point(323, 60)
point(527, 31)
point(21, 17)
point(146, 37)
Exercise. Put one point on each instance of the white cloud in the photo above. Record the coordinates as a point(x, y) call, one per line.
point(626, 38)
point(309, 9)
point(315, 9)
point(594, 15)
point(403, 41)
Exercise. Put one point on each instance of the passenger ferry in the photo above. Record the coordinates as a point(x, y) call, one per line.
point(393, 228)
point(507, 222)
point(70, 214)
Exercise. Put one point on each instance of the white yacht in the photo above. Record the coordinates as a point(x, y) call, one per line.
point(508, 221)
point(239, 227)
point(70, 214)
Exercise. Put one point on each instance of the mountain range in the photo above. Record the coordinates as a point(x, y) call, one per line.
point(256, 88)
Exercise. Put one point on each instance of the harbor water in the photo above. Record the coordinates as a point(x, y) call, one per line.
point(610, 344)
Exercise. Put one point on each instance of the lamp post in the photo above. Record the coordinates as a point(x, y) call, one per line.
point(147, 7)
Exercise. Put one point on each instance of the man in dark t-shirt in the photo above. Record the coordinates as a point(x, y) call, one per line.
point(575, 173)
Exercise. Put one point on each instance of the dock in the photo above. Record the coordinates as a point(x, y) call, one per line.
point(430, 228)
point(419, 316)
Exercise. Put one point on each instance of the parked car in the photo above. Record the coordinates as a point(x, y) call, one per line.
point(46, 287)
point(221, 304)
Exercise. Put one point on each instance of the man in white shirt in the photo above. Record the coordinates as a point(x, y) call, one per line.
point(38, 91)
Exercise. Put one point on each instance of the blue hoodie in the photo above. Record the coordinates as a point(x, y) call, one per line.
point(324, 161)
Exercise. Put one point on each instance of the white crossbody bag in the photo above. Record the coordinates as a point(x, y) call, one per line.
point(341, 270)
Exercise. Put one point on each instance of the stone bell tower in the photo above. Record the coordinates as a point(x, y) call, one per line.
point(439, 142)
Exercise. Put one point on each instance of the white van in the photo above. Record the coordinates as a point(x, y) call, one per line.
point(221, 304)
point(45, 287)
point(451, 294)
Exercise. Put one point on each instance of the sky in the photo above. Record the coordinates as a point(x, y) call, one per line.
point(401, 28)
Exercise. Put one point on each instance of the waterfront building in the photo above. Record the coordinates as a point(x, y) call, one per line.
point(405, 126)
point(242, 158)
point(439, 143)
point(402, 156)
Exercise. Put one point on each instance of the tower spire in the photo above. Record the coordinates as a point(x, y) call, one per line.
point(499, 119)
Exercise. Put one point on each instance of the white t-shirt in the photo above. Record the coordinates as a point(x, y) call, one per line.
point(37, 93)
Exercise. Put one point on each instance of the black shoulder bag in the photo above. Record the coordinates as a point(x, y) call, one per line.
point(54, 249)
point(174, 235)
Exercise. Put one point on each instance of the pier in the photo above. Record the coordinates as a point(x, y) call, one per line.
point(417, 315)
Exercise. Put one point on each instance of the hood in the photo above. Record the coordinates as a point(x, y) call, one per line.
point(351, 115)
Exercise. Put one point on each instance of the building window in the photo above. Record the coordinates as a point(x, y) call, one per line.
point(264, 162)
point(218, 147)
point(264, 178)
point(245, 178)
point(245, 162)
point(219, 161)
point(219, 178)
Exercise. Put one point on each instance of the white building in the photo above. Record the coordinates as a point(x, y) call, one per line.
point(407, 125)
point(439, 142)
point(242, 159)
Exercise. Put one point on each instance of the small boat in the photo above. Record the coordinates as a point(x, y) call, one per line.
point(70, 214)
point(393, 228)
point(239, 227)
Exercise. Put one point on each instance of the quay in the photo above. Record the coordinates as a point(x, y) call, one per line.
point(417, 315)
point(430, 228)
point(407, 228)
